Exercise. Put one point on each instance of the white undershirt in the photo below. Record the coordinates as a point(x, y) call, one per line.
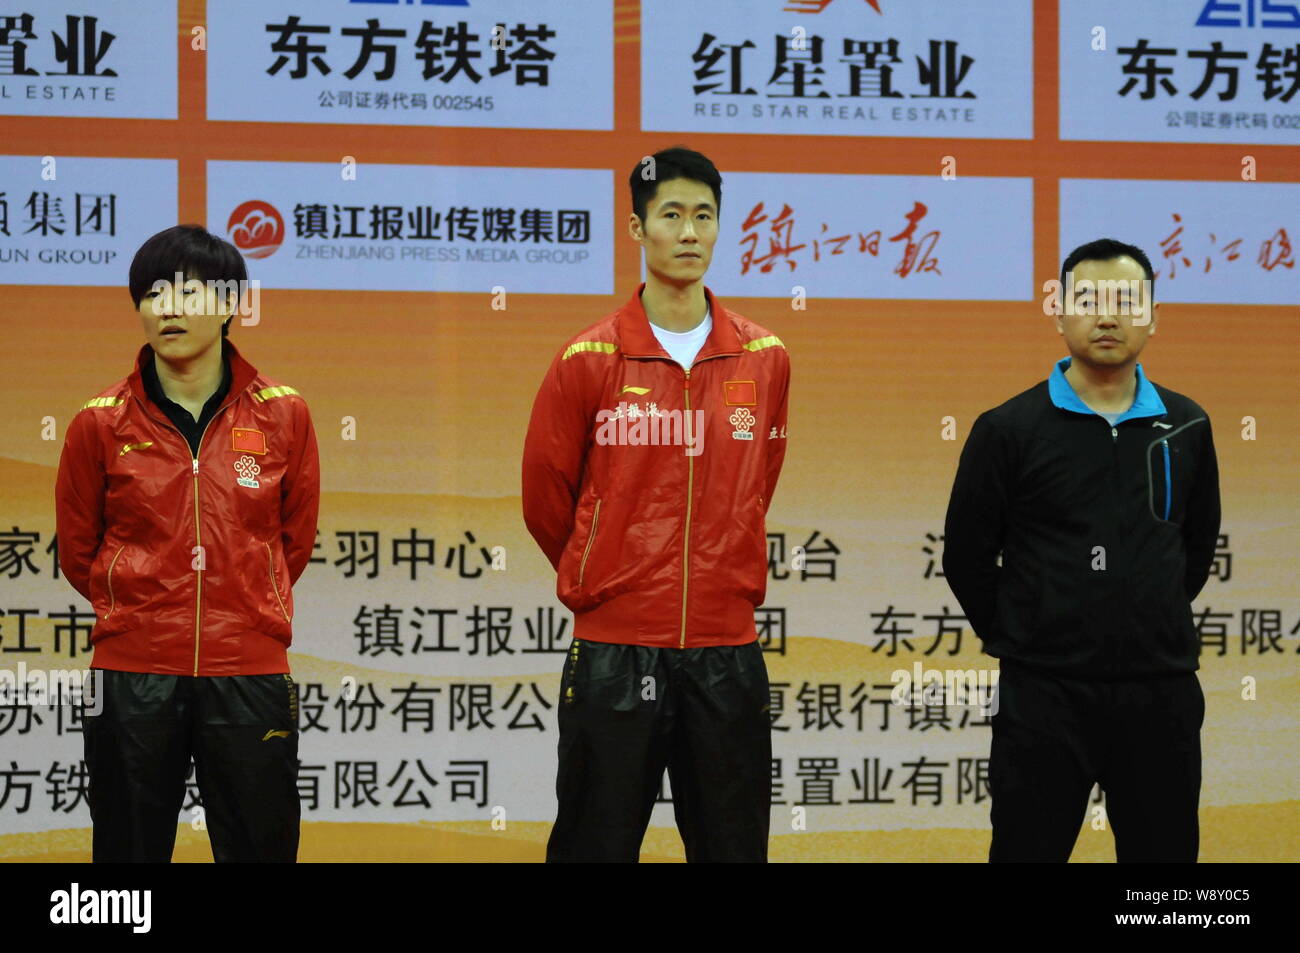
point(682, 346)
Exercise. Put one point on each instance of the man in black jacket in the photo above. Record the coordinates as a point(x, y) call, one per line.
point(1100, 491)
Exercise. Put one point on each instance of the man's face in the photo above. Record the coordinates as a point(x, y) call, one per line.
point(180, 323)
point(1113, 314)
point(680, 228)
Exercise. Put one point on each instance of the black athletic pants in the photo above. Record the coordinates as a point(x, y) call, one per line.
point(626, 713)
point(241, 732)
point(1054, 737)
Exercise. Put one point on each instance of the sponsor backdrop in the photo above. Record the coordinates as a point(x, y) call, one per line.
point(433, 195)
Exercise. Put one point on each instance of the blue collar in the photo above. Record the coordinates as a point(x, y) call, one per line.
point(1146, 402)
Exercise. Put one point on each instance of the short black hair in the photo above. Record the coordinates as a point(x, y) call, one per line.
point(1108, 249)
point(194, 252)
point(675, 163)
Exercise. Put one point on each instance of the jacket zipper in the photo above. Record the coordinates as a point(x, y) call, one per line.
point(198, 530)
point(591, 538)
point(198, 541)
point(690, 493)
point(270, 562)
point(1169, 489)
point(1123, 570)
point(112, 601)
point(1164, 441)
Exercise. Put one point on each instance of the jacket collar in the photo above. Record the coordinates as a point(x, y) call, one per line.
point(1146, 402)
point(636, 339)
point(241, 372)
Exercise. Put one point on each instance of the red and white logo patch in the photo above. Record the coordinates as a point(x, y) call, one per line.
point(742, 420)
point(247, 470)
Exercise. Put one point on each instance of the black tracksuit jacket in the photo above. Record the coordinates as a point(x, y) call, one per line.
point(1060, 493)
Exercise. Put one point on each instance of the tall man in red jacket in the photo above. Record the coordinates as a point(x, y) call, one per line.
point(186, 503)
point(652, 454)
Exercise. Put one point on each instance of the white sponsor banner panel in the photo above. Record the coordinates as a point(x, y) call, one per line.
point(89, 58)
point(1209, 242)
point(507, 64)
point(72, 220)
point(1180, 70)
point(927, 68)
point(874, 236)
point(417, 227)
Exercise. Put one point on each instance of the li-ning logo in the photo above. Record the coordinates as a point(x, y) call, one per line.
point(103, 906)
point(248, 470)
point(742, 420)
point(274, 734)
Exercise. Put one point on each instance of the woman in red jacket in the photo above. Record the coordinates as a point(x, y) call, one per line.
point(186, 503)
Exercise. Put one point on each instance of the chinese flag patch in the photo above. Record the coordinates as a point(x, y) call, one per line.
point(740, 393)
point(244, 440)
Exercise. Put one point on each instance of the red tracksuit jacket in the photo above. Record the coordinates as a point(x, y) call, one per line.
point(188, 561)
point(657, 529)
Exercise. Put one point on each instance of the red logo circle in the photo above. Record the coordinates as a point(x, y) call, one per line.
point(256, 229)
